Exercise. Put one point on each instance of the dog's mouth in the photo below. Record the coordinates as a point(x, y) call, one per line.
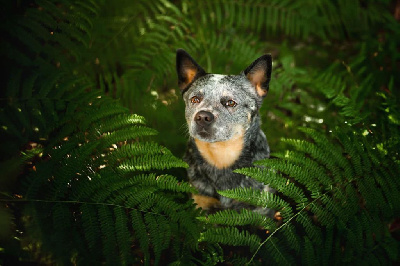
point(215, 134)
point(209, 134)
point(204, 133)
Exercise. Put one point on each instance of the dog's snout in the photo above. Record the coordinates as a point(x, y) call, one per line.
point(204, 118)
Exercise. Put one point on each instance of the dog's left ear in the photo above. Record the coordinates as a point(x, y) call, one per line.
point(259, 74)
point(188, 70)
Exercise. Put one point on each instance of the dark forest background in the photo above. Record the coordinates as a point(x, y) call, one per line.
point(92, 130)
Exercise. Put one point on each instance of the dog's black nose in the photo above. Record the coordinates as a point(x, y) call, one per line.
point(204, 118)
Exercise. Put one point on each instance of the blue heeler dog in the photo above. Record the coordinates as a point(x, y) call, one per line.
point(224, 126)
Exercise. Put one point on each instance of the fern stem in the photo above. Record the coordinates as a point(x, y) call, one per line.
point(273, 233)
point(78, 202)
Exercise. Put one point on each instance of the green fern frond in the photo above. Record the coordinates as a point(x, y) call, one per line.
point(165, 182)
point(244, 217)
point(109, 241)
point(121, 135)
point(309, 254)
point(275, 180)
point(122, 121)
point(259, 198)
point(320, 155)
point(53, 26)
point(276, 250)
point(137, 149)
point(230, 236)
point(98, 114)
point(290, 234)
point(312, 231)
point(315, 169)
point(141, 233)
point(90, 227)
point(325, 144)
point(258, 16)
point(158, 236)
point(341, 186)
point(149, 162)
point(263, 175)
point(294, 171)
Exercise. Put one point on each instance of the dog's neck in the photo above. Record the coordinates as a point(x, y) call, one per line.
point(222, 154)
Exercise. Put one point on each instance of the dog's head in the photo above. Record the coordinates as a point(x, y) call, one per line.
point(221, 107)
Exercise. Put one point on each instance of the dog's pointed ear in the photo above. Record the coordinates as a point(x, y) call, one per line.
point(188, 70)
point(259, 74)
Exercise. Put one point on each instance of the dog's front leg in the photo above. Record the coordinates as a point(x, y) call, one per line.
point(206, 198)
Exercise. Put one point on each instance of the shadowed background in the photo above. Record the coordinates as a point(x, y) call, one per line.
point(72, 71)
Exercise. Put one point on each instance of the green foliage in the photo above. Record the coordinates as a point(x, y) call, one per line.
point(86, 179)
point(355, 205)
point(93, 188)
point(230, 236)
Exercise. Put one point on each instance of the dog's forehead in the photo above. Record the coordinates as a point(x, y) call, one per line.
point(216, 84)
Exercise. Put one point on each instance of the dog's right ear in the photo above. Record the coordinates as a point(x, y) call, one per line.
point(188, 70)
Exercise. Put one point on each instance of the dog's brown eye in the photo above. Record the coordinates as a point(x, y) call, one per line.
point(231, 103)
point(195, 99)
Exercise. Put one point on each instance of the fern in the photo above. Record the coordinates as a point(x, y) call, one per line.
point(323, 209)
point(77, 176)
point(246, 217)
point(97, 211)
point(322, 19)
point(85, 185)
point(231, 236)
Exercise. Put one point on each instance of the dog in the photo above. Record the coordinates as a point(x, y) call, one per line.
point(222, 115)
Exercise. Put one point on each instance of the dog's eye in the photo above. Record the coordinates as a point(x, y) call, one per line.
point(231, 103)
point(195, 99)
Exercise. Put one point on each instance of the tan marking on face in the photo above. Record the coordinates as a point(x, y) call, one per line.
point(205, 202)
point(221, 154)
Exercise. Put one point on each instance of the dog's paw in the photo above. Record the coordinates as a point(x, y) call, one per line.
point(278, 216)
point(206, 202)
